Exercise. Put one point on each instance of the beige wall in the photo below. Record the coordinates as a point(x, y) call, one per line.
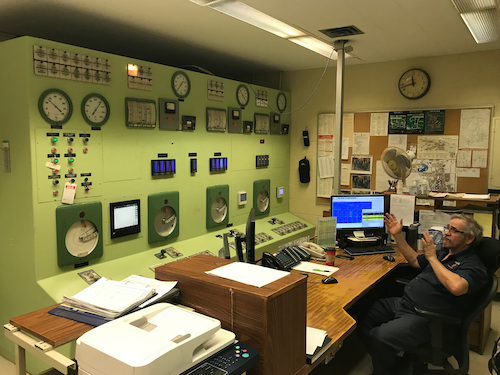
point(458, 81)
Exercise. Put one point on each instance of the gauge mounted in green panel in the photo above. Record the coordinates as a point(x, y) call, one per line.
point(95, 109)
point(55, 107)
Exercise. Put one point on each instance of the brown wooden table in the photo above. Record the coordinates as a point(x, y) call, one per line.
point(326, 307)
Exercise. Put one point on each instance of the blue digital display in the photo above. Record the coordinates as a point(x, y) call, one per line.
point(358, 211)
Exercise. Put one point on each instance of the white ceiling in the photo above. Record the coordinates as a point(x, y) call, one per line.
point(181, 33)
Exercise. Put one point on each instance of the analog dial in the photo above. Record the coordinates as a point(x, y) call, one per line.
point(242, 95)
point(81, 238)
point(414, 83)
point(55, 106)
point(263, 201)
point(219, 210)
point(181, 84)
point(281, 102)
point(95, 109)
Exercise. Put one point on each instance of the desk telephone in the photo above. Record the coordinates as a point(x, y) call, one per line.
point(289, 257)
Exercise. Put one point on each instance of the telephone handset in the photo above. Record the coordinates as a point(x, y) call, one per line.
point(284, 260)
point(316, 251)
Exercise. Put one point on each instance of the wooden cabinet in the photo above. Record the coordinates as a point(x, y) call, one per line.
point(479, 330)
point(272, 319)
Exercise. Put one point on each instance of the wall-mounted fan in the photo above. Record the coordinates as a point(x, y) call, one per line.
point(397, 163)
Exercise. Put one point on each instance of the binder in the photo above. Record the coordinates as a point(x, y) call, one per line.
point(327, 343)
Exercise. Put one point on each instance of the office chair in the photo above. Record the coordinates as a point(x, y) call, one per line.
point(438, 351)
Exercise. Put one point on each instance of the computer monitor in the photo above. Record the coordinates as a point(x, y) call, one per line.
point(125, 218)
point(358, 212)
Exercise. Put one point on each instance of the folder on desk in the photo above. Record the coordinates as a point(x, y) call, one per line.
point(319, 350)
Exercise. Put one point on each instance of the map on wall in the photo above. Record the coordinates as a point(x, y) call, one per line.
point(441, 175)
point(434, 147)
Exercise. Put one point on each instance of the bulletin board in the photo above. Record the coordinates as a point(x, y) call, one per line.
point(366, 164)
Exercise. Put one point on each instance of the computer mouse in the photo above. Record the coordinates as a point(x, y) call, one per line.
point(329, 280)
point(389, 258)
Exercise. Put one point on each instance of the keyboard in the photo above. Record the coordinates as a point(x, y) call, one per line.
point(368, 250)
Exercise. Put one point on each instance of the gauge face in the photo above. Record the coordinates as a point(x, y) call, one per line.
point(81, 238)
point(219, 210)
point(55, 106)
point(281, 102)
point(263, 201)
point(242, 95)
point(95, 109)
point(181, 84)
point(165, 221)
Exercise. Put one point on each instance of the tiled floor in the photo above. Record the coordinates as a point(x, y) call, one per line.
point(351, 360)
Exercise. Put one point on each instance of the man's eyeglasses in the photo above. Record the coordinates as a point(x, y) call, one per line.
point(453, 229)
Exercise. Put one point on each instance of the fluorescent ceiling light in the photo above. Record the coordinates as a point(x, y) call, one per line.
point(315, 45)
point(483, 25)
point(464, 6)
point(256, 18)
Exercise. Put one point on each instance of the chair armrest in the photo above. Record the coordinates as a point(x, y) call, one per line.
point(430, 315)
point(402, 281)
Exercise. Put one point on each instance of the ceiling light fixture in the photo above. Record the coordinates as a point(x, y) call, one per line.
point(481, 18)
point(254, 17)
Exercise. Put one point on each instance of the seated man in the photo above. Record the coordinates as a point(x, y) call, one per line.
point(446, 284)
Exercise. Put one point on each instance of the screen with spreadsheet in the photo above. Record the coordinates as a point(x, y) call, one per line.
point(358, 211)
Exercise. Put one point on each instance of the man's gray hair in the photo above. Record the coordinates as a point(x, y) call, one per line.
point(471, 227)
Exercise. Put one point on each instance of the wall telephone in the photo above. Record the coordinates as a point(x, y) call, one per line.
point(285, 259)
point(316, 251)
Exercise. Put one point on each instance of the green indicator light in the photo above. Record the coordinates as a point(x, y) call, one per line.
point(56, 160)
point(54, 139)
point(71, 160)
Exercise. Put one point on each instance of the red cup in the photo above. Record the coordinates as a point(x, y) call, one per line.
point(330, 257)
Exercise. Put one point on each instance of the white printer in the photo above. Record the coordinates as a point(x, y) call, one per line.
point(160, 339)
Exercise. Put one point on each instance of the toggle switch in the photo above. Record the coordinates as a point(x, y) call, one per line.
point(85, 140)
point(70, 139)
point(55, 182)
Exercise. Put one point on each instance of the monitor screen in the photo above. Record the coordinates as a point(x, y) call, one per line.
point(358, 211)
point(125, 218)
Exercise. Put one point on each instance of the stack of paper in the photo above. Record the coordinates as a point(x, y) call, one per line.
point(108, 298)
point(317, 342)
point(476, 196)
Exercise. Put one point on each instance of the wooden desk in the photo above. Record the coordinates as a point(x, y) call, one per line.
point(326, 306)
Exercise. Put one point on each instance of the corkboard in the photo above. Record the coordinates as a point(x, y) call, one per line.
point(378, 145)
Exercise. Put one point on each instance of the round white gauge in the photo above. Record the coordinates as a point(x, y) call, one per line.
point(219, 210)
point(95, 109)
point(55, 106)
point(262, 201)
point(281, 102)
point(81, 238)
point(165, 221)
point(181, 84)
point(242, 95)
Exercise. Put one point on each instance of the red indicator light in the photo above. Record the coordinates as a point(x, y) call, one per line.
point(261, 141)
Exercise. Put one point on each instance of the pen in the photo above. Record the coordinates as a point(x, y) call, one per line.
point(320, 270)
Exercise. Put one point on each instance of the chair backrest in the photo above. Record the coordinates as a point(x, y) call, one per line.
point(488, 250)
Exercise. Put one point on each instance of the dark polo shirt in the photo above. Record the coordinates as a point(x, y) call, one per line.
point(426, 292)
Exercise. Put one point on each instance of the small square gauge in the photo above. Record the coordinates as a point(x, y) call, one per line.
point(169, 107)
point(236, 114)
point(242, 198)
point(280, 191)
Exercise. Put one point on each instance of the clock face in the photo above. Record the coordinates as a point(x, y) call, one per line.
point(414, 84)
point(95, 109)
point(55, 106)
point(181, 84)
point(281, 102)
point(242, 95)
point(219, 210)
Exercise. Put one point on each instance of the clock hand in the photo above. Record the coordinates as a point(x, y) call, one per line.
point(178, 88)
point(96, 107)
point(410, 84)
point(54, 105)
point(412, 81)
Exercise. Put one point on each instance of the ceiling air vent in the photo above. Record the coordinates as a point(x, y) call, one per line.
point(340, 32)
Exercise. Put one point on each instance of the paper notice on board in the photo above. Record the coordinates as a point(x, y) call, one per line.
point(398, 140)
point(345, 148)
point(348, 127)
point(464, 158)
point(468, 172)
point(428, 219)
point(361, 145)
point(474, 128)
point(326, 167)
point(324, 187)
point(479, 158)
point(443, 147)
point(345, 174)
point(325, 145)
point(379, 124)
point(381, 178)
point(326, 123)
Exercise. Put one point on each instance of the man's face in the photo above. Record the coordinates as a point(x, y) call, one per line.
point(453, 236)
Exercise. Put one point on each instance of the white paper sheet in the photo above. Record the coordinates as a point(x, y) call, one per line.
point(464, 158)
point(468, 172)
point(345, 148)
point(325, 123)
point(398, 140)
point(319, 269)
point(361, 143)
point(474, 128)
point(428, 219)
point(345, 177)
point(314, 338)
point(403, 207)
point(442, 147)
point(348, 127)
point(324, 187)
point(379, 124)
point(250, 274)
point(325, 145)
point(381, 178)
point(480, 159)
point(326, 167)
